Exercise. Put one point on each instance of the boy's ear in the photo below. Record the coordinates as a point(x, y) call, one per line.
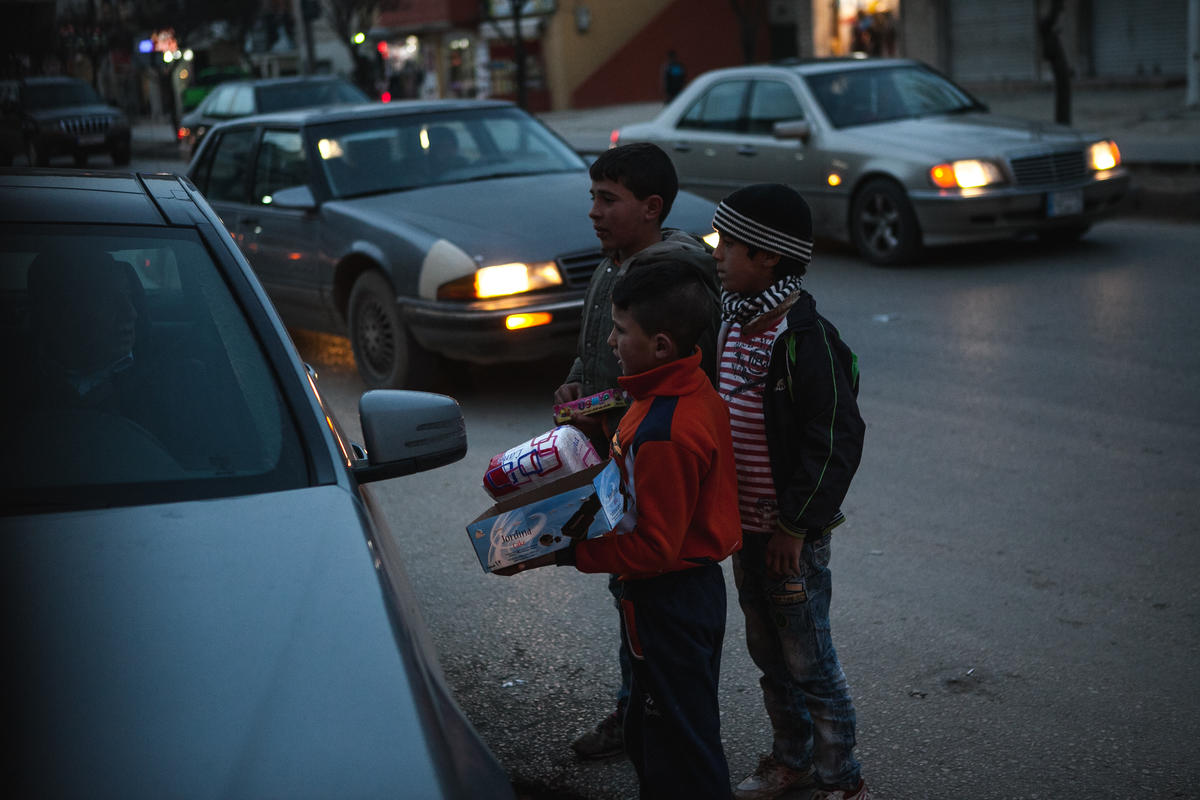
point(664, 347)
point(654, 206)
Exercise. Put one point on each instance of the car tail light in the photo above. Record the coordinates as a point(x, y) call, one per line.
point(614, 138)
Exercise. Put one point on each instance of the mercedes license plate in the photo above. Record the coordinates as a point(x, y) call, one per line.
point(1064, 204)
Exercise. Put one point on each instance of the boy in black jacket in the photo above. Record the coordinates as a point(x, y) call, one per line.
point(790, 384)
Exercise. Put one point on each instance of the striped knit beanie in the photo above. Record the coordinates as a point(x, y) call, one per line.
point(769, 216)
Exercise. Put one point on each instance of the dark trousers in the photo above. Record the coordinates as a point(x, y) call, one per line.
point(674, 625)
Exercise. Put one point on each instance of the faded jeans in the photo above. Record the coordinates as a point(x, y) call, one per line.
point(804, 688)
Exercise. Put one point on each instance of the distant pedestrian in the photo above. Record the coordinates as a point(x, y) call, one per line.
point(674, 76)
point(791, 386)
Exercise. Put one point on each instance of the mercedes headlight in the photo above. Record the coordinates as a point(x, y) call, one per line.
point(500, 280)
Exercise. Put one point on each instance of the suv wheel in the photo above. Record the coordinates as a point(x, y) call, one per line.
point(386, 355)
point(883, 225)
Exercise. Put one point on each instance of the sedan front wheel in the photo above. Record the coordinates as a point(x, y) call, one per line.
point(386, 355)
point(883, 225)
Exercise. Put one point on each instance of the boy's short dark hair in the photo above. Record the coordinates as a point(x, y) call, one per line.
point(670, 297)
point(642, 168)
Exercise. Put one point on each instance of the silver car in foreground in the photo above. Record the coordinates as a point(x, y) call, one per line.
point(890, 154)
point(201, 599)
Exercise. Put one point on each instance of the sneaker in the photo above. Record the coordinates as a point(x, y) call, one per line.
point(604, 741)
point(772, 779)
point(860, 793)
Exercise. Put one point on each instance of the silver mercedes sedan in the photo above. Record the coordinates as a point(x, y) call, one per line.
point(455, 228)
point(890, 154)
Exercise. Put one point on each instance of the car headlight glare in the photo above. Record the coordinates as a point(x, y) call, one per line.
point(500, 280)
point(965, 174)
point(1104, 155)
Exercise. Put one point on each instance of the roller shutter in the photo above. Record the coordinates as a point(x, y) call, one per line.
point(993, 40)
point(1146, 39)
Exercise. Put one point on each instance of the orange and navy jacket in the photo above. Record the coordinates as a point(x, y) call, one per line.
point(675, 453)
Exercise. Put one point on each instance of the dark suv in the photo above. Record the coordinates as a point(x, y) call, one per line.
point(47, 117)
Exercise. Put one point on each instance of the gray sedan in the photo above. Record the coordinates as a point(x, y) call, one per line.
point(890, 154)
point(456, 228)
point(201, 599)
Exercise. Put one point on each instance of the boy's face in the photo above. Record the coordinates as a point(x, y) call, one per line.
point(622, 222)
point(636, 350)
point(741, 273)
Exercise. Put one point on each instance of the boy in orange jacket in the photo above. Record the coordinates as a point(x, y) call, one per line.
point(675, 453)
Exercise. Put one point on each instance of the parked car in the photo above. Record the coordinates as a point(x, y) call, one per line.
point(451, 227)
point(200, 597)
point(890, 154)
point(41, 118)
point(241, 98)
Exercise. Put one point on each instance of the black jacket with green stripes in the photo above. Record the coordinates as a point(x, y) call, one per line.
point(810, 409)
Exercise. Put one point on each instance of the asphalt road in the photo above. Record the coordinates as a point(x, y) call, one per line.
point(1015, 599)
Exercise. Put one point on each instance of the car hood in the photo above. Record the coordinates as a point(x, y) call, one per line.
point(526, 218)
point(969, 135)
point(95, 110)
point(226, 648)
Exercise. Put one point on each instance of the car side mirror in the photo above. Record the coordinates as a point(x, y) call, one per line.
point(407, 432)
point(299, 197)
point(792, 129)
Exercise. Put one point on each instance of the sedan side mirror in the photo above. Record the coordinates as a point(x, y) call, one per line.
point(407, 432)
point(792, 129)
point(298, 197)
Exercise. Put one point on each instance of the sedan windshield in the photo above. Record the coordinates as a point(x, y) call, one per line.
point(865, 96)
point(285, 96)
point(371, 155)
point(59, 95)
point(135, 376)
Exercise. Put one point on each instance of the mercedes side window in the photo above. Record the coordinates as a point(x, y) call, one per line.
point(718, 109)
point(771, 102)
point(231, 162)
point(243, 102)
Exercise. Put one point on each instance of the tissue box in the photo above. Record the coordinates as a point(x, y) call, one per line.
point(540, 460)
point(581, 505)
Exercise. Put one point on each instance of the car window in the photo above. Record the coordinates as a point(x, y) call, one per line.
point(718, 109)
point(140, 378)
point(281, 163)
point(57, 95)
point(242, 102)
point(218, 102)
point(284, 96)
point(372, 154)
point(771, 102)
point(864, 96)
point(230, 164)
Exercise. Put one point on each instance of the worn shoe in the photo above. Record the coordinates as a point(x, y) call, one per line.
point(604, 741)
point(860, 793)
point(772, 779)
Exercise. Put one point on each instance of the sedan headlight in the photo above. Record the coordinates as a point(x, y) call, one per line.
point(501, 280)
point(968, 173)
point(1104, 155)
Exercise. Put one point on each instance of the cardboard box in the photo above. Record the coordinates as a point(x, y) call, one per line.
point(587, 504)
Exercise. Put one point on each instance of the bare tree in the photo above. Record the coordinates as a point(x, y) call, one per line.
point(1053, 51)
point(751, 15)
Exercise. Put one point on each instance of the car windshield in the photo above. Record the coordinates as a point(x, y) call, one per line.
point(371, 155)
point(864, 96)
point(58, 95)
point(134, 375)
point(285, 96)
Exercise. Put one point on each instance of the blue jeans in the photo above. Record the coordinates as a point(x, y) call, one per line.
point(804, 688)
point(614, 588)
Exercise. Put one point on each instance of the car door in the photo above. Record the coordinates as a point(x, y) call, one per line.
point(767, 158)
point(222, 173)
point(282, 243)
point(705, 141)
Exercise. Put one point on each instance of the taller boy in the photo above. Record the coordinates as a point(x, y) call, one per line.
point(633, 189)
point(790, 383)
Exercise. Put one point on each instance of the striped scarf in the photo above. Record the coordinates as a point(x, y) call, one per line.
point(742, 308)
